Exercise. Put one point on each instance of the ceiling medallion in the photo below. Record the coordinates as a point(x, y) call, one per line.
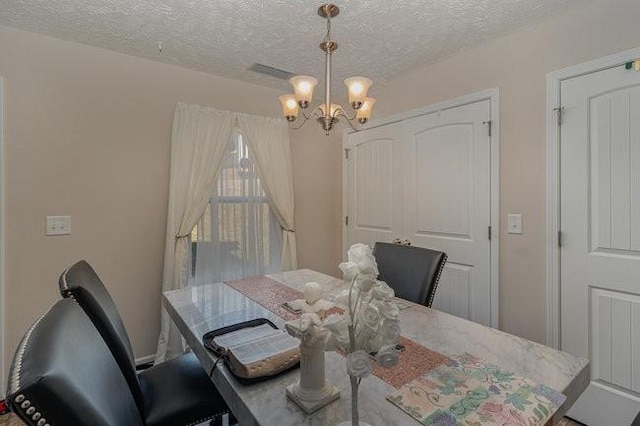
point(303, 86)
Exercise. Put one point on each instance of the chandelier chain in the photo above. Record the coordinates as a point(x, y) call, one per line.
point(327, 38)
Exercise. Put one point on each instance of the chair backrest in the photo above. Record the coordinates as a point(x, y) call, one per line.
point(413, 272)
point(82, 283)
point(64, 374)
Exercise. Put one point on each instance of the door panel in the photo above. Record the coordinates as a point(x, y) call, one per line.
point(448, 207)
point(600, 256)
point(374, 192)
point(444, 155)
point(454, 289)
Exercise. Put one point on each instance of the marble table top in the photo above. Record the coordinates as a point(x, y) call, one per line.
point(199, 309)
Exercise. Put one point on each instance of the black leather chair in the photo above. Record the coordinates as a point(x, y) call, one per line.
point(64, 374)
point(172, 393)
point(413, 272)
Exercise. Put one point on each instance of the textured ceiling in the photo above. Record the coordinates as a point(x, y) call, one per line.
point(377, 39)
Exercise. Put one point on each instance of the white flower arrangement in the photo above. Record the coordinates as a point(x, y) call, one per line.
point(369, 329)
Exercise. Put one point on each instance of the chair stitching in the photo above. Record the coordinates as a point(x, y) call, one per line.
point(433, 293)
point(65, 284)
point(204, 419)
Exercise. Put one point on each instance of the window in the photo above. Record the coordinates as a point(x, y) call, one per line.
point(238, 235)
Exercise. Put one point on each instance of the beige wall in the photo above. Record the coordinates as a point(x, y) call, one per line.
point(88, 135)
point(518, 65)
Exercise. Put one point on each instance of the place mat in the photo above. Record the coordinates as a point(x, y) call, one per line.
point(268, 293)
point(468, 391)
point(415, 360)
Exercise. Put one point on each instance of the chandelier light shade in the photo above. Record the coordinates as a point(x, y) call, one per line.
point(358, 88)
point(289, 106)
point(364, 112)
point(303, 86)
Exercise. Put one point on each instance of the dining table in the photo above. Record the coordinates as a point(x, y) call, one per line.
point(198, 309)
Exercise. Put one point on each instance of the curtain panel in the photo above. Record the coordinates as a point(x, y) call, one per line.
point(268, 140)
point(198, 145)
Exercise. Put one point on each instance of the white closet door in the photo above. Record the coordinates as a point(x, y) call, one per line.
point(428, 179)
point(447, 202)
point(374, 185)
point(600, 254)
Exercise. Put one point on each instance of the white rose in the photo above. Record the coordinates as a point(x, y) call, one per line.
point(382, 291)
point(365, 283)
point(336, 323)
point(359, 364)
point(390, 331)
point(370, 316)
point(343, 298)
point(387, 357)
point(388, 309)
point(349, 270)
point(361, 255)
point(338, 336)
point(333, 342)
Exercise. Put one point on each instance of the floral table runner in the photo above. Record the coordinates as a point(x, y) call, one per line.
point(466, 391)
point(415, 359)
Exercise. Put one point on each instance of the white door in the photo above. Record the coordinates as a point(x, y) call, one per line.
point(428, 179)
point(447, 205)
point(600, 253)
point(374, 197)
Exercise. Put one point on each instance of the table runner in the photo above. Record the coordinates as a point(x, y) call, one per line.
point(268, 293)
point(469, 391)
point(415, 360)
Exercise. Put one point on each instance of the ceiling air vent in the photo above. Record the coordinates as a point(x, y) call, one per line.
point(271, 71)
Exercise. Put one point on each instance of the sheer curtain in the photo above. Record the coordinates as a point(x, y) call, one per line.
point(268, 140)
point(238, 235)
point(198, 141)
point(245, 227)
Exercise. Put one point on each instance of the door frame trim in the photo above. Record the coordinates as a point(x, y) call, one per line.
point(492, 95)
point(2, 242)
point(554, 81)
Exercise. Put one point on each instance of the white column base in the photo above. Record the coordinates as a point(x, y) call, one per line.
point(330, 394)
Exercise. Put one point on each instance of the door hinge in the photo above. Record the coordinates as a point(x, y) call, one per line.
point(489, 232)
point(559, 238)
point(489, 124)
point(559, 113)
point(346, 153)
point(346, 221)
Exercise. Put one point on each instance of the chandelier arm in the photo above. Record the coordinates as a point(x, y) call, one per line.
point(350, 120)
point(342, 112)
point(295, 125)
point(300, 122)
point(317, 112)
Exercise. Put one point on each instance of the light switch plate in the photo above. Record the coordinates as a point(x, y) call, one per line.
point(514, 222)
point(58, 225)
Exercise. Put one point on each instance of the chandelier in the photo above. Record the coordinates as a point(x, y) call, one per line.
point(303, 86)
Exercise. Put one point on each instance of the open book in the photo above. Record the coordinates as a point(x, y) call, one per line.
point(259, 351)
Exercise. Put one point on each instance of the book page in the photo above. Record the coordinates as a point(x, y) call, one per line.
point(264, 347)
point(245, 335)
